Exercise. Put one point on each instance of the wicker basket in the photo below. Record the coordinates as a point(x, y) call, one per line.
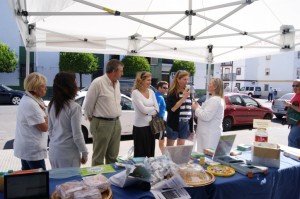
point(105, 195)
point(196, 178)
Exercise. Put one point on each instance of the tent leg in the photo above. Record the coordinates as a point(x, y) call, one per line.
point(209, 60)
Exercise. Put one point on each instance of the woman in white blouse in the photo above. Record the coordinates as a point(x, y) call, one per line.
point(145, 106)
point(67, 147)
point(210, 116)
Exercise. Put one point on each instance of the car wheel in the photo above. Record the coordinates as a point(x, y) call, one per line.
point(85, 134)
point(15, 100)
point(227, 123)
point(250, 95)
point(279, 116)
point(268, 117)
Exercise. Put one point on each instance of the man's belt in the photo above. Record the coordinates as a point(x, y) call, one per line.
point(108, 119)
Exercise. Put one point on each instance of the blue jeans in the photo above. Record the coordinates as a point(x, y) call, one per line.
point(27, 165)
point(294, 137)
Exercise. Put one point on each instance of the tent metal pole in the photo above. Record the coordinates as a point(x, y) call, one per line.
point(237, 30)
point(27, 62)
point(219, 20)
point(209, 60)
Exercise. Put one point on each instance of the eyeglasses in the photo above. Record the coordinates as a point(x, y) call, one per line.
point(295, 86)
point(165, 87)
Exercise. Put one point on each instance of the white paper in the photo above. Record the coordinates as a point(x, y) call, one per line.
point(171, 194)
point(122, 179)
point(176, 182)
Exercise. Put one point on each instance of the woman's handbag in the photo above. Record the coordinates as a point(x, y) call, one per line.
point(157, 124)
point(293, 116)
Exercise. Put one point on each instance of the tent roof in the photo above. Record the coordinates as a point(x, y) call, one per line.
point(173, 29)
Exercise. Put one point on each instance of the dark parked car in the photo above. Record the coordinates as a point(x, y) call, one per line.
point(8, 95)
point(241, 110)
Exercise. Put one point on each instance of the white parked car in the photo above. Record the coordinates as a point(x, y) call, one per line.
point(126, 118)
point(278, 105)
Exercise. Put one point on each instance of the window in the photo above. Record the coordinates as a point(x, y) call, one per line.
point(227, 70)
point(153, 61)
point(126, 104)
point(298, 73)
point(267, 71)
point(80, 100)
point(298, 54)
point(266, 87)
point(236, 100)
point(268, 57)
point(238, 85)
point(238, 71)
point(115, 57)
point(249, 102)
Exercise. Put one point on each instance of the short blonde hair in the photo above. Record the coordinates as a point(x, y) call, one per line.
point(33, 81)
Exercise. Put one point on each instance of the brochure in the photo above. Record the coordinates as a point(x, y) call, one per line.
point(106, 168)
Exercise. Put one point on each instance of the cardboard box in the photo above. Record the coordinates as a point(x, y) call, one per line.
point(266, 154)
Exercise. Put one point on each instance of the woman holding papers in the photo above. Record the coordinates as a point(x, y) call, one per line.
point(210, 116)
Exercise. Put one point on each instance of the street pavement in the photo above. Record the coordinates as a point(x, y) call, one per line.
point(278, 133)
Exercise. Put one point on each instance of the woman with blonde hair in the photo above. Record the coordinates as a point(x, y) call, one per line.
point(179, 101)
point(145, 106)
point(210, 116)
point(31, 135)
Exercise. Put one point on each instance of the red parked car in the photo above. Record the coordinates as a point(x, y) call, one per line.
point(241, 110)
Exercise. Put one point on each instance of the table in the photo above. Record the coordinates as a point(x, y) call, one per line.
point(278, 183)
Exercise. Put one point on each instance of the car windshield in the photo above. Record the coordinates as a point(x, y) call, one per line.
point(287, 96)
point(6, 87)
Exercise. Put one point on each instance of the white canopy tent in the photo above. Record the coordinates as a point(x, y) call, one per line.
point(207, 31)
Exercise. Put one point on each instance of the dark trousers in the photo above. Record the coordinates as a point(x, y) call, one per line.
point(143, 142)
point(270, 97)
point(27, 165)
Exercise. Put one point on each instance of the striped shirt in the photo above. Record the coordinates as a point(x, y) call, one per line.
point(185, 108)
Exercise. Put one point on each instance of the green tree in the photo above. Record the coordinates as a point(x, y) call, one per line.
point(183, 65)
point(133, 64)
point(82, 63)
point(8, 59)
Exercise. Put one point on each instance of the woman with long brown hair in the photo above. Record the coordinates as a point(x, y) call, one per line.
point(67, 147)
point(145, 106)
point(179, 102)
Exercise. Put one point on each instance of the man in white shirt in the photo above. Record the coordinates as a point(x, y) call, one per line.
point(103, 109)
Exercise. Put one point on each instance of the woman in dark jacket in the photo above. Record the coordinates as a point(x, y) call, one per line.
point(179, 102)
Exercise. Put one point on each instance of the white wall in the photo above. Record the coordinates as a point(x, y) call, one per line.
point(200, 76)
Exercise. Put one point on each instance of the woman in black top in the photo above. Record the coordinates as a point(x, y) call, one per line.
point(179, 120)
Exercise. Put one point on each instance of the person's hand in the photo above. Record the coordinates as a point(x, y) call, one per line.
point(46, 119)
point(186, 94)
point(287, 103)
point(195, 105)
point(84, 157)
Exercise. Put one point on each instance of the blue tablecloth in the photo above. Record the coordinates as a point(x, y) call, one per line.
point(277, 184)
